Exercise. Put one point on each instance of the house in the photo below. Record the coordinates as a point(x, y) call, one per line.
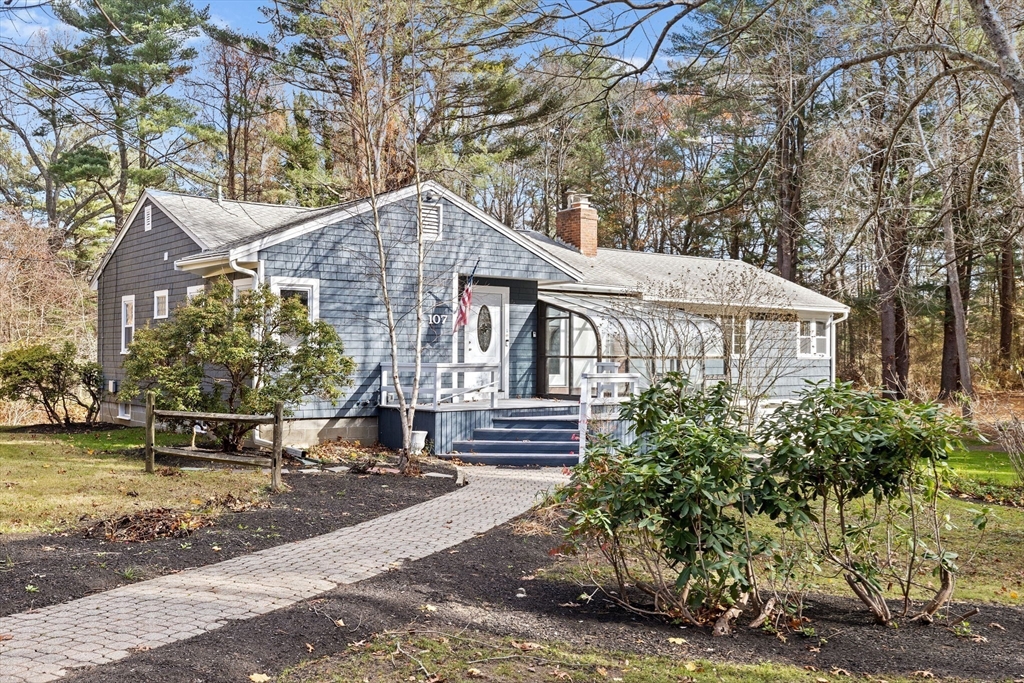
point(544, 312)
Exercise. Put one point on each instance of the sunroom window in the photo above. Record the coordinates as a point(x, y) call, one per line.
point(570, 348)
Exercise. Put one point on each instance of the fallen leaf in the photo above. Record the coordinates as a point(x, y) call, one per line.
point(922, 674)
point(810, 668)
point(820, 680)
point(840, 672)
point(259, 678)
point(5, 636)
point(569, 604)
point(339, 623)
point(690, 666)
point(677, 641)
point(474, 673)
point(526, 647)
point(601, 671)
point(216, 548)
point(996, 626)
point(139, 648)
point(309, 646)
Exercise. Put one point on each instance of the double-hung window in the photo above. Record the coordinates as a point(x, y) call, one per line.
point(127, 321)
point(304, 290)
point(734, 336)
point(813, 339)
point(160, 304)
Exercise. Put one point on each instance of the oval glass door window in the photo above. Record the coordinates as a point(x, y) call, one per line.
point(484, 328)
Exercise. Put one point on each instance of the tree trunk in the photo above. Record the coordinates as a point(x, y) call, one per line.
point(1007, 301)
point(789, 154)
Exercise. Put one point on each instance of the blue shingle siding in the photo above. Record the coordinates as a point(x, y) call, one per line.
point(773, 365)
point(138, 267)
point(343, 257)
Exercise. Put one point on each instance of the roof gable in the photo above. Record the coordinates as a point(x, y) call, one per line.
point(247, 247)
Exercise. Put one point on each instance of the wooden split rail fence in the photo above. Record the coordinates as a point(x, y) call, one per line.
point(273, 460)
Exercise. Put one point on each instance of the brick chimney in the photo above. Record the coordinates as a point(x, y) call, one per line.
point(577, 225)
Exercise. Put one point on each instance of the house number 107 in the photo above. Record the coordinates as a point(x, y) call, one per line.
point(437, 319)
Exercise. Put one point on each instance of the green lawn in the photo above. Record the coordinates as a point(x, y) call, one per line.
point(454, 657)
point(989, 467)
point(51, 483)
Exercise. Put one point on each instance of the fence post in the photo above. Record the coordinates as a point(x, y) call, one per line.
point(150, 430)
point(584, 414)
point(275, 467)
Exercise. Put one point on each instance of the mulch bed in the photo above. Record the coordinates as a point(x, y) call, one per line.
point(72, 565)
point(474, 587)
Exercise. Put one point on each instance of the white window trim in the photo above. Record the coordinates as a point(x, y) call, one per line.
point(124, 411)
point(147, 218)
point(308, 283)
point(167, 305)
point(828, 338)
point(135, 314)
point(746, 338)
point(194, 290)
point(244, 284)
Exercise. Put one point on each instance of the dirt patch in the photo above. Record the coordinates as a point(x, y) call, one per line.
point(475, 588)
point(46, 569)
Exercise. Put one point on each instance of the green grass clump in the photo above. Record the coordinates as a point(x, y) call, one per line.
point(52, 483)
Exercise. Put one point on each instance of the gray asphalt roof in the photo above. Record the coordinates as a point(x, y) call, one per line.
point(222, 224)
point(687, 279)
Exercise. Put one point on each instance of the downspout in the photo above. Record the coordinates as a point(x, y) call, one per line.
point(256, 280)
point(835, 345)
point(256, 275)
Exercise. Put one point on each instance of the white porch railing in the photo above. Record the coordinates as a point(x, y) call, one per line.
point(601, 395)
point(475, 378)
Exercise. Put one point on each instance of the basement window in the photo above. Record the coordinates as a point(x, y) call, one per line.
point(124, 411)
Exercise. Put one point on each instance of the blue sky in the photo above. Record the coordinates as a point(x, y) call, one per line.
point(241, 15)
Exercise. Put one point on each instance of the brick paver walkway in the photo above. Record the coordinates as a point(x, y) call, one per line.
point(44, 644)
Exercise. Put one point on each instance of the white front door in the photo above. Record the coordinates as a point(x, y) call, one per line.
point(486, 335)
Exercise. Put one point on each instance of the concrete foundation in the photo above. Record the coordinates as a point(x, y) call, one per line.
point(296, 432)
point(310, 432)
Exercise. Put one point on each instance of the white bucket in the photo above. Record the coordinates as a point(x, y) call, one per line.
point(419, 440)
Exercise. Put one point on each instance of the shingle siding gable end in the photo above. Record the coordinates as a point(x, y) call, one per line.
point(137, 267)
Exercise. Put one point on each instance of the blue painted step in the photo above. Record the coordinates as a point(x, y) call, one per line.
point(525, 434)
point(539, 422)
point(539, 440)
point(518, 459)
point(478, 446)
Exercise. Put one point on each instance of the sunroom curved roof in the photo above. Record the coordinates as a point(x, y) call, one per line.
point(630, 326)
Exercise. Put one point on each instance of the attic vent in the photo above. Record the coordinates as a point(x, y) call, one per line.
point(148, 213)
point(430, 220)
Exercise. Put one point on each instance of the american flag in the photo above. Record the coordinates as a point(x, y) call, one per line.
point(462, 317)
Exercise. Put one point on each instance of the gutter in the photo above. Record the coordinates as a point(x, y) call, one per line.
point(845, 315)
